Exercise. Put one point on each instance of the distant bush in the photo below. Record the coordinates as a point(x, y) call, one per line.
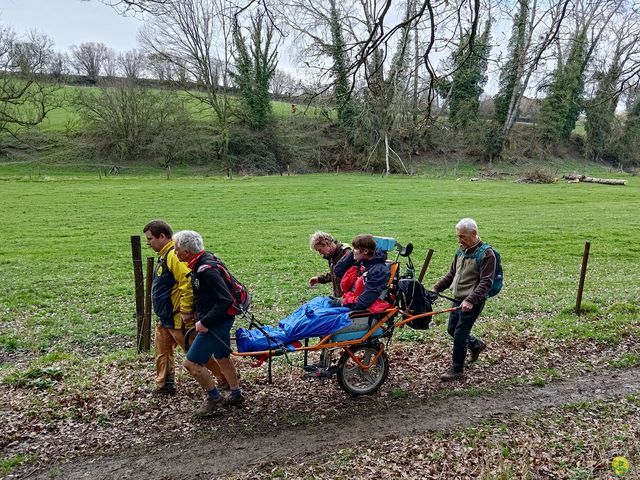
point(126, 122)
point(537, 175)
point(255, 151)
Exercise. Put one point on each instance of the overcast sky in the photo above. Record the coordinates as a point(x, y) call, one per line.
point(71, 22)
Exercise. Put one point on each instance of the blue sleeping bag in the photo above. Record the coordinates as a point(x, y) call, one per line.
point(316, 318)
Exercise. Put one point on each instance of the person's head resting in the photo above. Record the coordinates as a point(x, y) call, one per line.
point(158, 233)
point(187, 244)
point(364, 246)
point(467, 233)
point(324, 243)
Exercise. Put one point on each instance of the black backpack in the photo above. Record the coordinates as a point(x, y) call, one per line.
point(414, 300)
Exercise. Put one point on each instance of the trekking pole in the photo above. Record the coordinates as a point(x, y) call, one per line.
point(425, 265)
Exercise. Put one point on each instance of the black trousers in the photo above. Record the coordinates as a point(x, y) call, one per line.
point(460, 325)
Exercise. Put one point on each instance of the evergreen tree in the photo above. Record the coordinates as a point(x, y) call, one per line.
point(469, 78)
point(509, 75)
point(601, 111)
point(255, 66)
point(342, 86)
point(627, 146)
point(560, 109)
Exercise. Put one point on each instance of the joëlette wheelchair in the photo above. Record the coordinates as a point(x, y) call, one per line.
point(356, 355)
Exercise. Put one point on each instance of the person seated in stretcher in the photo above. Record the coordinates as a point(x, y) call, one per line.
point(365, 275)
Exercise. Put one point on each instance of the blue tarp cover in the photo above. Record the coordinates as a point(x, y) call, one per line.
point(316, 318)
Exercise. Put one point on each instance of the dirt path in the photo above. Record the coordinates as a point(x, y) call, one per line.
point(410, 417)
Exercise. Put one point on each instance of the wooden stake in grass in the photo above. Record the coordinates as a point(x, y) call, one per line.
point(583, 273)
point(146, 323)
point(136, 254)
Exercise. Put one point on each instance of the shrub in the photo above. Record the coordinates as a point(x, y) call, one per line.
point(537, 175)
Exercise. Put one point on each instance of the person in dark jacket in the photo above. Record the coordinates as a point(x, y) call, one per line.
point(212, 304)
point(469, 286)
point(172, 299)
point(374, 269)
point(332, 251)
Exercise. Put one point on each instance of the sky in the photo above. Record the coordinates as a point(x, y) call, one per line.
point(71, 22)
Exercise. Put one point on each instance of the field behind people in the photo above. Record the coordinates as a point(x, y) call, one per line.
point(67, 333)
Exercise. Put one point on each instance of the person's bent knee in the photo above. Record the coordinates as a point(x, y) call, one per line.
point(189, 365)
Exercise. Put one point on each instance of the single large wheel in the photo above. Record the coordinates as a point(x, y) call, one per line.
point(356, 380)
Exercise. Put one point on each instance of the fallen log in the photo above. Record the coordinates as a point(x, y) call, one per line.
point(584, 178)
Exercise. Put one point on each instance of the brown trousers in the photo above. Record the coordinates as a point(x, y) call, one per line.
point(165, 345)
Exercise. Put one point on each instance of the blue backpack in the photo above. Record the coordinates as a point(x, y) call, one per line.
point(496, 286)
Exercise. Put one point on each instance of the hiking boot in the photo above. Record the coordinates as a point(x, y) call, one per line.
point(235, 400)
point(210, 406)
point(167, 389)
point(475, 352)
point(451, 374)
point(312, 367)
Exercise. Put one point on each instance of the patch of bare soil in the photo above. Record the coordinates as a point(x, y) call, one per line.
point(203, 455)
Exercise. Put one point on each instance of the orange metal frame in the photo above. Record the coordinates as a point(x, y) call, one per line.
point(325, 343)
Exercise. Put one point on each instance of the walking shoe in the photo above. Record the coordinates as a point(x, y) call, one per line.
point(210, 406)
point(235, 400)
point(312, 367)
point(166, 389)
point(475, 352)
point(451, 374)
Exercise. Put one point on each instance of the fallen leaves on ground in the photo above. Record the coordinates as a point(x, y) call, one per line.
point(101, 406)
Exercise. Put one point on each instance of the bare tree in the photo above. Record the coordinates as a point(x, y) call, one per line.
point(110, 64)
point(88, 59)
point(59, 66)
point(132, 63)
point(192, 34)
point(25, 94)
point(284, 84)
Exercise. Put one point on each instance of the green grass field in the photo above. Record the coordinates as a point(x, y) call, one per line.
point(66, 118)
point(66, 260)
point(67, 328)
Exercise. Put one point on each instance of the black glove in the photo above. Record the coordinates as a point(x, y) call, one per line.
point(335, 302)
point(431, 295)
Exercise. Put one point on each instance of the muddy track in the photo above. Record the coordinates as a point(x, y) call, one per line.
point(201, 457)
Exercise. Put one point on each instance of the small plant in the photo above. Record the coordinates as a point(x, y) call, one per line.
point(399, 393)
point(34, 377)
point(7, 464)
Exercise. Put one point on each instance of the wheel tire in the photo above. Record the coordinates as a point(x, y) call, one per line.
point(356, 381)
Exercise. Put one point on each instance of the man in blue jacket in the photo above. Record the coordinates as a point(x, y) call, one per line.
point(375, 272)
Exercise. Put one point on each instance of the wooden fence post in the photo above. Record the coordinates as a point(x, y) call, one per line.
point(146, 324)
point(583, 273)
point(425, 265)
point(136, 253)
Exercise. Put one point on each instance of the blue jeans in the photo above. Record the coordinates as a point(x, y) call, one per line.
point(460, 324)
